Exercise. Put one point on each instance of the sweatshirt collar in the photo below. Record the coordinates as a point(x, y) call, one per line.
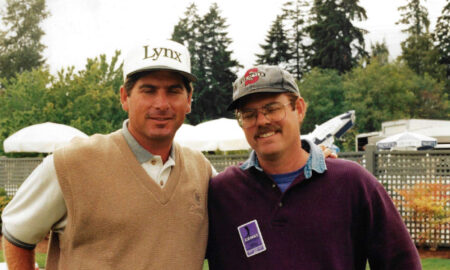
point(316, 160)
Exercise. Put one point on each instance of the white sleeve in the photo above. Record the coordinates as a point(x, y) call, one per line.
point(37, 207)
point(214, 171)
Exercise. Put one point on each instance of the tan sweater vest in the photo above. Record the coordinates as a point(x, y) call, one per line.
point(119, 218)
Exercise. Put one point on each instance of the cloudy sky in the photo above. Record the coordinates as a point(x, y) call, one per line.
point(81, 29)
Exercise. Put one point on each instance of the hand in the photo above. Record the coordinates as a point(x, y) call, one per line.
point(327, 152)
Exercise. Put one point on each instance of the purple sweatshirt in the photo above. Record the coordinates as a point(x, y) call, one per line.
point(334, 220)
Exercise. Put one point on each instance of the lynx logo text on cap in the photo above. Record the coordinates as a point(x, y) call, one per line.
point(159, 55)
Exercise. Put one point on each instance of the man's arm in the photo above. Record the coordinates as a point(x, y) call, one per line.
point(36, 208)
point(18, 258)
point(390, 246)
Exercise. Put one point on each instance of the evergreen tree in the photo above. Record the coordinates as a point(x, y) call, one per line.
point(295, 15)
point(336, 42)
point(20, 36)
point(418, 50)
point(186, 32)
point(276, 47)
point(208, 42)
point(380, 51)
point(415, 16)
point(442, 40)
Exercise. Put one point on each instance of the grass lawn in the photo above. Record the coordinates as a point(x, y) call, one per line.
point(428, 264)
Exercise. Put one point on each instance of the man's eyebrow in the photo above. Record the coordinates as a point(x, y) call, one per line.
point(147, 86)
point(175, 85)
point(263, 106)
point(270, 103)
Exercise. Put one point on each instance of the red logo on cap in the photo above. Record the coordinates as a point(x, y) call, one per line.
point(251, 76)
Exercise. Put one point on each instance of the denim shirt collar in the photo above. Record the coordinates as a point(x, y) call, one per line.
point(141, 154)
point(316, 160)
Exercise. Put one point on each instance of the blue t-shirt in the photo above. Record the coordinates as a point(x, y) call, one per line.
point(284, 180)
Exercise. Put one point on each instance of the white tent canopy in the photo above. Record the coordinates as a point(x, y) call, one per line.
point(407, 141)
point(41, 138)
point(185, 134)
point(220, 134)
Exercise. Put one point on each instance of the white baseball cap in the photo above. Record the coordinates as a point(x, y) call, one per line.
point(158, 55)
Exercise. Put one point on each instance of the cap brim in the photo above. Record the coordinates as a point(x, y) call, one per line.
point(188, 76)
point(233, 105)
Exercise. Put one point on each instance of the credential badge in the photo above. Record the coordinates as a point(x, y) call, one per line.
point(251, 238)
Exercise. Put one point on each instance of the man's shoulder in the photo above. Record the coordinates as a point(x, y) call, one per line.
point(187, 153)
point(193, 159)
point(344, 164)
point(349, 171)
point(230, 175)
point(94, 143)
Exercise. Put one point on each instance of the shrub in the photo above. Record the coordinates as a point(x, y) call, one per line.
point(426, 205)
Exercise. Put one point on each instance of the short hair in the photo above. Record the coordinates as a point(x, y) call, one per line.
point(131, 80)
point(292, 98)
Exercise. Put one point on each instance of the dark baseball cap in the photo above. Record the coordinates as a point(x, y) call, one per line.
point(263, 79)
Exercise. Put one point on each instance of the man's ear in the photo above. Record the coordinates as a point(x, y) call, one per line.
point(189, 105)
point(124, 98)
point(301, 106)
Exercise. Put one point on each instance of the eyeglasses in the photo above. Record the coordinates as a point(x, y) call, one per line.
point(273, 112)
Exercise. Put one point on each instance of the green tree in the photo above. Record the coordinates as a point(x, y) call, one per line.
point(276, 47)
point(384, 92)
point(417, 50)
point(87, 100)
point(295, 14)
point(415, 17)
point(378, 93)
point(431, 101)
point(213, 65)
point(186, 32)
point(380, 51)
point(20, 36)
point(442, 41)
point(323, 92)
point(213, 91)
point(24, 101)
point(336, 42)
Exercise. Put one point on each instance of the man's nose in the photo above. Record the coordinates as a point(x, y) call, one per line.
point(261, 118)
point(161, 102)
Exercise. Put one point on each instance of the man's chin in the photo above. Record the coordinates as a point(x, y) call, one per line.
point(161, 135)
point(268, 152)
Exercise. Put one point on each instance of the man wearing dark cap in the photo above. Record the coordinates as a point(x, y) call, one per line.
point(287, 207)
point(131, 199)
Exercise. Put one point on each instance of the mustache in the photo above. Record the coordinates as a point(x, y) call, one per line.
point(267, 128)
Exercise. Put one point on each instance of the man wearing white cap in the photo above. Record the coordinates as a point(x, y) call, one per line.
point(131, 199)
